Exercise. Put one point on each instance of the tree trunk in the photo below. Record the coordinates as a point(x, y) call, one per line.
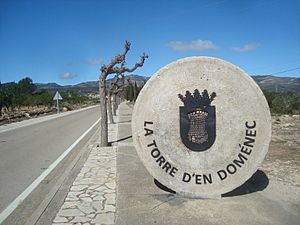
point(115, 105)
point(103, 113)
point(119, 100)
point(109, 106)
point(134, 92)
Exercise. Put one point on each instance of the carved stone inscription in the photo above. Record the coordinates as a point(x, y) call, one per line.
point(245, 149)
point(201, 126)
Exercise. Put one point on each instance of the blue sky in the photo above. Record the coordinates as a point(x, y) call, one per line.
point(67, 41)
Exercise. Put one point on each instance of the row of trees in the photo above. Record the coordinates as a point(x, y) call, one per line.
point(283, 103)
point(24, 93)
point(115, 66)
point(132, 91)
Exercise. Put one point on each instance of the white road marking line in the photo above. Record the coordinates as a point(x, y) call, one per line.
point(13, 205)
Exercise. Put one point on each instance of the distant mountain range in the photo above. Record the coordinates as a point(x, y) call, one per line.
point(271, 83)
point(278, 84)
point(89, 86)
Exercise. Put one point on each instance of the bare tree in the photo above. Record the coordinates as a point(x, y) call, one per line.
point(112, 68)
point(118, 93)
point(116, 86)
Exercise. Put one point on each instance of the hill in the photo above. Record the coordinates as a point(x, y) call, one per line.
point(48, 86)
point(270, 83)
point(89, 86)
point(278, 84)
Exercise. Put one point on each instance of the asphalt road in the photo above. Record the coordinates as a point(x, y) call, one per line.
point(27, 151)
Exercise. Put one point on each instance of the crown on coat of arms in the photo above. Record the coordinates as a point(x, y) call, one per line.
point(197, 99)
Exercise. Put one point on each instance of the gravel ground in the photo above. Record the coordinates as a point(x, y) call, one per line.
point(282, 162)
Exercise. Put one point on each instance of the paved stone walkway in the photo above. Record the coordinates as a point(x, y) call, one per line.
point(92, 197)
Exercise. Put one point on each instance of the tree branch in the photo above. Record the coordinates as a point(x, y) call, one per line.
point(118, 59)
point(127, 47)
point(117, 83)
point(123, 69)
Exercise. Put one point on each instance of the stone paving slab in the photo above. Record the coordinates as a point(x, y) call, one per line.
point(92, 197)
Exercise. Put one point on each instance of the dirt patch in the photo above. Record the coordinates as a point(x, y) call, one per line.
point(282, 162)
point(25, 113)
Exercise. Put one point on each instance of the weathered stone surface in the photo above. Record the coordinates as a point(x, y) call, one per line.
point(70, 212)
point(78, 187)
point(86, 208)
point(111, 185)
point(110, 208)
point(110, 198)
point(80, 219)
point(237, 127)
point(107, 218)
point(59, 219)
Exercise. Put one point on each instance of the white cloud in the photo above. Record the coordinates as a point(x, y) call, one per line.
point(195, 45)
point(246, 48)
point(95, 61)
point(67, 75)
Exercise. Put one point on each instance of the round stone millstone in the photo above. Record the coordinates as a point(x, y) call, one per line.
point(201, 126)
